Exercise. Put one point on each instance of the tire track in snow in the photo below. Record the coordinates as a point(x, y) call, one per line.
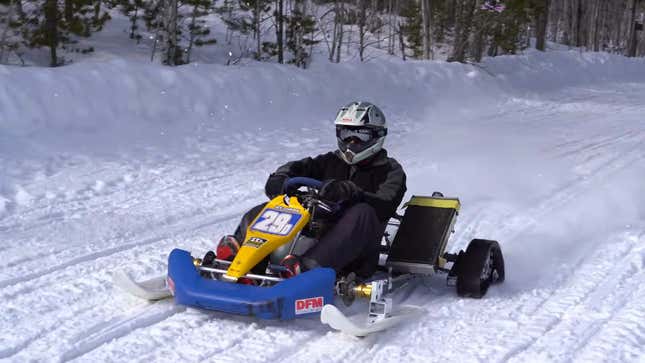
point(48, 214)
point(111, 251)
point(623, 325)
point(602, 142)
point(22, 345)
point(555, 311)
point(95, 336)
point(66, 290)
point(576, 187)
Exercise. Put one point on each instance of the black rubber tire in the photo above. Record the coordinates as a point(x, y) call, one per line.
point(473, 276)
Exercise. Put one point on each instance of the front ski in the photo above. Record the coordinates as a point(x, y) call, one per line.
point(151, 289)
point(333, 317)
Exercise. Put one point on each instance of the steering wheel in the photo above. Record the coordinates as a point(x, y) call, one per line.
point(311, 197)
point(292, 184)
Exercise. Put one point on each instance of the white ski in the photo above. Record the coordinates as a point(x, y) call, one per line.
point(151, 289)
point(333, 317)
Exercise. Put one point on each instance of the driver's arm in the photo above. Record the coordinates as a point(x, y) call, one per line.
point(389, 194)
point(307, 167)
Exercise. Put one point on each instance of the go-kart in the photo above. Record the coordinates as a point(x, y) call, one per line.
point(413, 246)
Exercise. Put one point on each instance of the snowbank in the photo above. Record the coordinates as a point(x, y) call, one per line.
point(123, 101)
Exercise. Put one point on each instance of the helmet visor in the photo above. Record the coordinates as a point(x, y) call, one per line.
point(360, 134)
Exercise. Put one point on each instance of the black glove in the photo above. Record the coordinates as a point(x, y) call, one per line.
point(340, 191)
point(274, 185)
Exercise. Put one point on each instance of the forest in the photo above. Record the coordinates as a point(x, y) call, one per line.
point(290, 31)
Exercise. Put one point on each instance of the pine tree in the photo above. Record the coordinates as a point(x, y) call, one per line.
point(50, 24)
point(10, 23)
point(412, 29)
point(198, 31)
point(247, 17)
point(135, 11)
point(511, 25)
point(178, 27)
point(300, 29)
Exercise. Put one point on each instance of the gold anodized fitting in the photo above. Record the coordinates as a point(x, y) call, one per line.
point(363, 290)
point(197, 261)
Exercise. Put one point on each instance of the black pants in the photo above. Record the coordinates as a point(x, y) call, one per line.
point(352, 244)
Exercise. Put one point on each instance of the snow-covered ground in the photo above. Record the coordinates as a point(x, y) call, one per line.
point(109, 164)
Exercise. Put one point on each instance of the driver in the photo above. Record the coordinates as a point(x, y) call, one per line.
point(360, 177)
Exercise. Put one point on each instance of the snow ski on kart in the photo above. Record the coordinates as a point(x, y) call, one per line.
point(415, 249)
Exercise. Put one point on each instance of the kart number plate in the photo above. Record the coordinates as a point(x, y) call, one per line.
point(276, 222)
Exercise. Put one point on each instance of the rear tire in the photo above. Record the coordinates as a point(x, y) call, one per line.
point(480, 266)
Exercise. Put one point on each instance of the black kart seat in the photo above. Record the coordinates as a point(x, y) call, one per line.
point(423, 234)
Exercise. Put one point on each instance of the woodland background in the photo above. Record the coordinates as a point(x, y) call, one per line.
point(290, 31)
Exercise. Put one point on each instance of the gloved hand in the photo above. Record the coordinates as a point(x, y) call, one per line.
point(340, 191)
point(274, 184)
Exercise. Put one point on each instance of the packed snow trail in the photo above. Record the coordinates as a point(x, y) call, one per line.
point(555, 176)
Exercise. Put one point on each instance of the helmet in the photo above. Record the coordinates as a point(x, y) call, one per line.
point(360, 131)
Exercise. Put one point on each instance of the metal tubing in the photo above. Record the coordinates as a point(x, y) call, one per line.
point(248, 276)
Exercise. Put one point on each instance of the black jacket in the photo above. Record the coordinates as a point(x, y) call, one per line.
point(382, 178)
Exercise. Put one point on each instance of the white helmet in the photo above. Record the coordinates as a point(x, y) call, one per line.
point(360, 131)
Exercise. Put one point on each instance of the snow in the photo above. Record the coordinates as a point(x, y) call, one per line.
point(111, 163)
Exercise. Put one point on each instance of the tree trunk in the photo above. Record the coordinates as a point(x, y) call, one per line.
point(19, 10)
point(341, 32)
point(555, 17)
point(256, 20)
point(280, 30)
point(69, 11)
point(3, 38)
point(191, 36)
point(463, 26)
point(390, 31)
point(171, 29)
point(133, 22)
point(633, 35)
point(361, 28)
point(425, 23)
point(402, 43)
point(541, 23)
point(97, 10)
point(51, 28)
point(578, 15)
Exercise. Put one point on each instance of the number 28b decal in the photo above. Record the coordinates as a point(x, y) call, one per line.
point(276, 222)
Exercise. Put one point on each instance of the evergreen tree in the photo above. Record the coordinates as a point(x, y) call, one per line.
point(177, 30)
point(510, 26)
point(300, 31)
point(50, 24)
point(198, 31)
point(135, 11)
point(247, 17)
point(10, 23)
point(413, 28)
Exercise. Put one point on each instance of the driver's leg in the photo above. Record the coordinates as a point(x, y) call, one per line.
point(247, 218)
point(228, 245)
point(354, 239)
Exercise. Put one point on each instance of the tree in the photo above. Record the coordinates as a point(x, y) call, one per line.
point(10, 22)
point(48, 24)
point(541, 14)
point(464, 20)
point(300, 30)
point(179, 26)
point(133, 9)
point(412, 30)
point(426, 33)
point(198, 32)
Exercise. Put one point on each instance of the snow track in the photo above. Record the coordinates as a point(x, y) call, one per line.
point(574, 241)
